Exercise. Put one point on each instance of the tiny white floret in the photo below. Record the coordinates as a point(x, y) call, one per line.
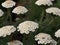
point(53, 42)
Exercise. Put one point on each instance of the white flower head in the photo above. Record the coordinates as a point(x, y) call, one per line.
point(27, 26)
point(1, 13)
point(43, 38)
point(7, 30)
point(44, 2)
point(57, 33)
point(19, 10)
point(15, 42)
point(8, 4)
point(54, 10)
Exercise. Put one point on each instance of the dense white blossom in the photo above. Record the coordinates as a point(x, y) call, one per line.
point(1, 13)
point(43, 38)
point(54, 10)
point(6, 30)
point(8, 4)
point(27, 26)
point(57, 33)
point(15, 42)
point(44, 2)
point(19, 10)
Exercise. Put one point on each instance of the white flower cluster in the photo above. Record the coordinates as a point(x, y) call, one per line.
point(8, 4)
point(7, 30)
point(57, 33)
point(43, 38)
point(1, 13)
point(19, 10)
point(27, 26)
point(15, 42)
point(54, 10)
point(44, 2)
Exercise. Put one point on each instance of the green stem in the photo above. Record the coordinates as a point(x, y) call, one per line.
point(9, 15)
point(6, 16)
point(24, 38)
point(42, 16)
point(50, 22)
point(53, 18)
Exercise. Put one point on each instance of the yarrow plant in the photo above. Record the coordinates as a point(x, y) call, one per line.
point(54, 10)
point(19, 10)
point(15, 42)
point(27, 26)
point(43, 38)
point(29, 22)
point(7, 30)
point(44, 2)
point(8, 4)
